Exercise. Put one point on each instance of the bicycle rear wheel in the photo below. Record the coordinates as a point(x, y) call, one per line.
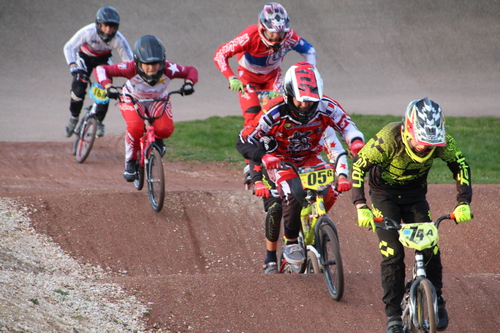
point(156, 180)
point(86, 139)
point(424, 318)
point(331, 260)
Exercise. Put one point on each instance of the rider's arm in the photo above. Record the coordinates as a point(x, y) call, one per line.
point(104, 73)
point(176, 71)
point(459, 167)
point(335, 151)
point(342, 122)
point(303, 47)
point(73, 45)
point(229, 50)
point(122, 47)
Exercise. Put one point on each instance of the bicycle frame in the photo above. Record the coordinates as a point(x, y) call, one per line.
point(150, 164)
point(412, 237)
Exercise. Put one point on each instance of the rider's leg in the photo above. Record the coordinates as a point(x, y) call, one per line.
point(133, 133)
point(293, 253)
point(273, 226)
point(392, 267)
point(78, 92)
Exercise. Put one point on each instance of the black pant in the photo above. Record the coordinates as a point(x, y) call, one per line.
point(80, 84)
point(392, 267)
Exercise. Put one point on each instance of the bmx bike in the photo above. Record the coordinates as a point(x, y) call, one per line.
point(86, 128)
point(149, 162)
point(420, 308)
point(318, 235)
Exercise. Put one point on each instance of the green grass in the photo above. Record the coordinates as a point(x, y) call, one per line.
point(214, 139)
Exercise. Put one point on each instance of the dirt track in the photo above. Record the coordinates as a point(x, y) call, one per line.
point(197, 262)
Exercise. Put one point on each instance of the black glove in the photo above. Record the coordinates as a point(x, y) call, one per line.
point(75, 71)
point(187, 89)
point(113, 93)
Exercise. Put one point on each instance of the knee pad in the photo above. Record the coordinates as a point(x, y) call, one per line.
point(78, 91)
point(273, 222)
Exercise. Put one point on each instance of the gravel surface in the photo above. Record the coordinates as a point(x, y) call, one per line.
point(42, 289)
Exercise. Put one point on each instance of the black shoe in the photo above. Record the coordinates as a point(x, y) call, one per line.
point(161, 145)
point(442, 323)
point(394, 325)
point(130, 172)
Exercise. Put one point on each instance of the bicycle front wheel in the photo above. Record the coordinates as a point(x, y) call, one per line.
point(331, 260)
point(139, 181)
point(312, 263)
point(86, 139)
point(156, 180)
point(424, 317)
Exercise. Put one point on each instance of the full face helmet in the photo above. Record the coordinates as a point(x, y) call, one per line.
point(273, 18)
point(303, 82)
point(149, 50)
point(423, 124)
point(109, 16)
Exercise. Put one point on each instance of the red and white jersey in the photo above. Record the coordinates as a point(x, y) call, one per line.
point(297, 142)
point(135, 84)
point(254, 56)
point(88, 41)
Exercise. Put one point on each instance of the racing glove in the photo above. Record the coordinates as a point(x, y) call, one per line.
point(113, 93)
point(365, 217)
point(261, 190)
point(356, 146)
point(343, 185)
point(187, 89)
point(462, 212)
point(271, 162)
point(236, 85)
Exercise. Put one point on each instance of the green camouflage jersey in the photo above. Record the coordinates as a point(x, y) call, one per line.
point(393, 171)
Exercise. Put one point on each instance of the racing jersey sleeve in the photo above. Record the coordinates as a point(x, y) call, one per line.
point(122, 47)
point(105, 73)
point(81, 37)
point(455, 161)
point(304, 48)
point(176, 71)
point(342, 122)
point(228, 50)
point(335, 151)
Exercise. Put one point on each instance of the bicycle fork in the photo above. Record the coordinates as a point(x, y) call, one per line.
point(412, 291)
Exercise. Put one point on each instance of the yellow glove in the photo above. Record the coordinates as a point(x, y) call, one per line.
point(365, 217)
point(236, 85)
point(462, 212)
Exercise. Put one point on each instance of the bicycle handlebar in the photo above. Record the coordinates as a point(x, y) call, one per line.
point(144, 100)
point(390, 224)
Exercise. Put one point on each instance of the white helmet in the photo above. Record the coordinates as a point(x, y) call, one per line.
point(303, 82)
point(273, 18)
point(423, 122)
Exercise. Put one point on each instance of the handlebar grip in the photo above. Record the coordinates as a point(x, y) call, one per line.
point(378, 219)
